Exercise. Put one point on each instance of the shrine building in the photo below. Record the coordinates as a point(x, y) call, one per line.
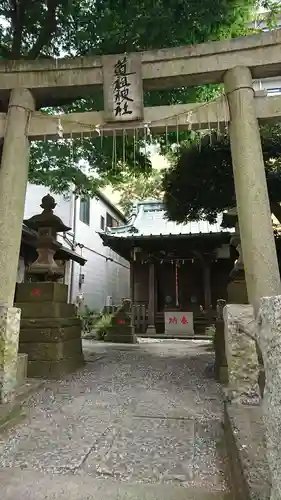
point(177, 270)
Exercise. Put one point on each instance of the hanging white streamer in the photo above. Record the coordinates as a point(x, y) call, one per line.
point(60, 129)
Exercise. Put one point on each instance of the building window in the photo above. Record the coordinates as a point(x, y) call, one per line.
point(85, 210)
point(102, 223)
point(110, 221)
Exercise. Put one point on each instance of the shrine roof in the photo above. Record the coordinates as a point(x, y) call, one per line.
point(148, 220)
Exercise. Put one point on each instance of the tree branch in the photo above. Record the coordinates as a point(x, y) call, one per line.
point(47, 30)
point(17, 13)
point(17, 24)
point(4, 52)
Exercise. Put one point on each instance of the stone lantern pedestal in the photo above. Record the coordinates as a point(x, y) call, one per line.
point(237, 289)
point(50, 332)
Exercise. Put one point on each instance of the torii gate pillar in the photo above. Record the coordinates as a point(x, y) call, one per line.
point(254, 214)
point(13, 181)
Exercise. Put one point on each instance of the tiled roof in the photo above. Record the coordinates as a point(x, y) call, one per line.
point(148, 219)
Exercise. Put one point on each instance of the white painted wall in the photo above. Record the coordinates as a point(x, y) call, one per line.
point(272, 85)
point(102, 277)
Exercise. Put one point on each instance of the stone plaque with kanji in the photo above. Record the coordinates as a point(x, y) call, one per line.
point(122, 88)
point(179, 323)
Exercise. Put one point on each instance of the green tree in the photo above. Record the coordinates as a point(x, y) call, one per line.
point(139, 187)
point(48, 28)
point(200, 183)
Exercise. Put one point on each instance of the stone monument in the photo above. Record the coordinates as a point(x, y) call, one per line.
point(50, 332)
point(121, 330)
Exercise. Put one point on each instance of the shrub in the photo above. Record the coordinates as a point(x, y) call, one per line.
point(211, 332)
point(102, 326)
point(88, 318)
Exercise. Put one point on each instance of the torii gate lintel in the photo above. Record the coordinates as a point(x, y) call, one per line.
point(52, 82)
point(159, 119)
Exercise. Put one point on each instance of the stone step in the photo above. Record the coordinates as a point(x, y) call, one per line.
point(10, 413)
point(21, 368)
point(34, 485)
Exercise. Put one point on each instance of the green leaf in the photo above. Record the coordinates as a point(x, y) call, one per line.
point(50, 28)
point(200, 183)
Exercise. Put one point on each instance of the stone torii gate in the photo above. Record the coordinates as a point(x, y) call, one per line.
point(26, 86)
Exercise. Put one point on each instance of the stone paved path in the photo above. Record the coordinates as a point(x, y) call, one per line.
point(142, 422)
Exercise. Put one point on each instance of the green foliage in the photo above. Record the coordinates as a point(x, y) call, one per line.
point(49, 28)
point(271, 15)
point(88, 318)
point(200, 184)
point(211, 332)
point(102, 326)
point(139, 187)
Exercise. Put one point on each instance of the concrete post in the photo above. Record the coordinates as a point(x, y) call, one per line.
point(13, 180)
point(259, 252)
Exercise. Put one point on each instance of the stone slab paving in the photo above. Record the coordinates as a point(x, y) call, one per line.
point(135, 422)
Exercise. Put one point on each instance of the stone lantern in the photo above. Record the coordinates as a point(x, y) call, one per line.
point(47, 224)
point(50, 331)
point(237, 289)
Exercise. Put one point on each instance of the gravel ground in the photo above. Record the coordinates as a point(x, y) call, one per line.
point(145, 414)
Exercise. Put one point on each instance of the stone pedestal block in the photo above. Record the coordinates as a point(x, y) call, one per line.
point(42, 331)
point(48, 309)
point(151, 331)
point(9, 339)
point(47, 292)
point(237, 291)
point(50, 332)
point(120, 330)
point(269, 339)
point(241, 354)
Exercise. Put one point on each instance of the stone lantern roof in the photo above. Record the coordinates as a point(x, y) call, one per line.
point(47, 218)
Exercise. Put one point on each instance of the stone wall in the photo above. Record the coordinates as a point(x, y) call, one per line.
point(241, 354)
point(246, 446)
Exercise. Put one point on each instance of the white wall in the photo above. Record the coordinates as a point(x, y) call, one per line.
point(272, 85)
point(102, 277)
